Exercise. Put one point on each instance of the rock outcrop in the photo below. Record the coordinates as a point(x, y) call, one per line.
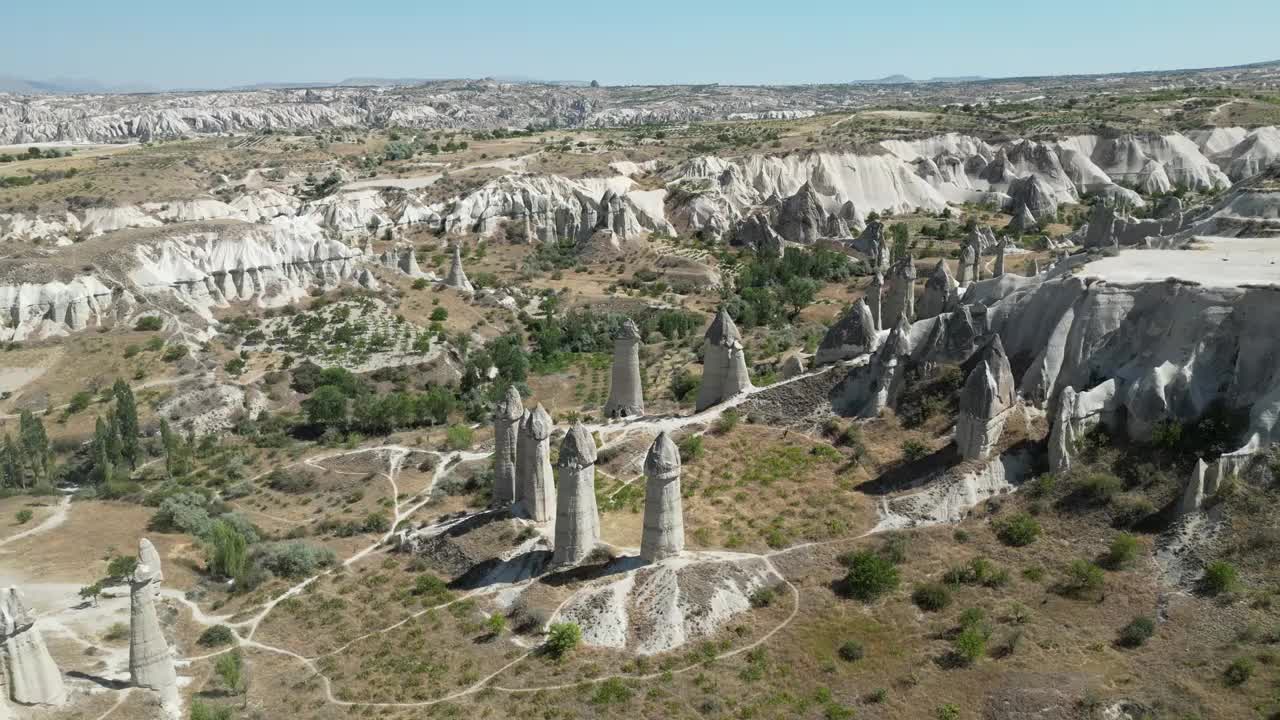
point(663, 512)
point(32, 676)
point(1023, 222)
point(985, 402)
point(150, 659)
point(875, 300)
point(900, 299)
point(577, 520)
point(964, 272)
point(457, 277)
point(1194, 494)
point(941, 292)
point(1001, 246)
point(507, 414)
point(536, 491)
point(852, 335)
point(724, 366)
point(626, 396)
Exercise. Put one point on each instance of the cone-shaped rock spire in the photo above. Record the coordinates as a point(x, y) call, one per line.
point(457, 277)
point(33, 677)
point(987, 397)
point(537, 489)
point(875, 299)
point(663, 512)
point(853, 334)
point(150, 660)
point(577, 520)
point(506, 429)
point(900, 299)
point(724, 366)
point(626, 396)
point(940, 292)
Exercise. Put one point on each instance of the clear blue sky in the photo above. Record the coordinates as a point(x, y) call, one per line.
point(229, 42)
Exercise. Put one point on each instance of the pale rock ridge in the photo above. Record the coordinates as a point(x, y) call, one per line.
point(150, 659)
point(874, 386)
point(32, 676)
point(506, 427)
point(536, 492)
point(875, 299)
point(724, 366)
point(457, 277)
point(968, 258)
point(626, 396)
point(985, 402)
point(1109, 227)
point(577, 520)
point(37, 310)
point(663, 512)
point(852, 335)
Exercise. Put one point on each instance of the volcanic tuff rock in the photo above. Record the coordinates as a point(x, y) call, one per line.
point(663, 513)
point(32, 676)
point(986, 399)
point(626, 397)
point(507, 414)
point(900, 299)
point(577, 520)
point(941, 292)
point(852, 335)
point(150, 659)
point(536, 489)
point(457, 277)
point(724, 366)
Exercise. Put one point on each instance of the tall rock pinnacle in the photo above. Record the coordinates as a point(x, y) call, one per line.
point(724, 365)
point(626, 397)
point(577, 520)
point(537, 489)
point(33, 677)
point(457, 277)
point(663, 511)
point(150, 660)
point(506, 428)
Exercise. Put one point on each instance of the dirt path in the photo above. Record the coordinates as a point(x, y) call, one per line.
point(58, 517)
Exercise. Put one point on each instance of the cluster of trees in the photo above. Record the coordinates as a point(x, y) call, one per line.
point(26, 462)
point(115, 439)
point(555, 337)
point(771, 290)
point(339, 401)
point(35, 153)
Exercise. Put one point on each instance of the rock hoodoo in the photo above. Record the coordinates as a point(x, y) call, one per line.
point(506, 429)
point(150, 660)
point(577, 520)
point(536, 493)
point(1000, 248)
point(941, 292)
point(985, 402)
point(875, 299)
point(901, 297)
point(663, 512)
point(853, 334)
point(626, 396)
point(724, 366)
point(457, 277)
point(33, 677)
point(1195, 493)
point(968, 258)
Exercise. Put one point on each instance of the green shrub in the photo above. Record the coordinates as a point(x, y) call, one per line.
point(23, 516)
point(727, 421)
point(293, 484)
point(216, 636)
point(174, 353)
point(293, 559)
point(948, 711)
point(150, 323)
point(611, 691)
point(458, 437)
point(202, 711)
point(970, 644)
point(230, 669)
point(869, 576)
point(1238, 672)
point(1138, 631)
point(117, 631)
point(1018, 530)
point(1122, 551)
point(1100, 487)
point(562, 638)
point(690, 448)
point(496, 624)
point(439, 315)
point(913, 450)
point(972, 617)
point(931, 597)
point(1083, 578)
point(851, 651)
point(1219, 577)
point(763, 597)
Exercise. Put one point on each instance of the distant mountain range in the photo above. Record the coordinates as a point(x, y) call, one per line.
point(66, 86)
point(904, 80)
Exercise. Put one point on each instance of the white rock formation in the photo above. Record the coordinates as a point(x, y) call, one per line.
point(724, 367)
point(536, 491)
point(457, 277)
point(941, 292)
point(663, 511)
point(1195, 493)
point(150, 659)
point(626, 396)
point(1001, 246)
point(506, 428)
point(900, 299)
point(577, 520)
point(985, 403)
point(875, 300)
point(32, 676)
point(852, 335)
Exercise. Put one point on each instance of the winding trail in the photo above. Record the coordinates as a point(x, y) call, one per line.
point(58, 517)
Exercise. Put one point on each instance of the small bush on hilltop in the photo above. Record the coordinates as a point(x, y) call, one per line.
point(1018, 530)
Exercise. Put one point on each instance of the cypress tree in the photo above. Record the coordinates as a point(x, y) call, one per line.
point(127, 422)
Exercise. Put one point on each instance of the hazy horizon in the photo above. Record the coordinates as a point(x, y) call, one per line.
point(750, 43)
